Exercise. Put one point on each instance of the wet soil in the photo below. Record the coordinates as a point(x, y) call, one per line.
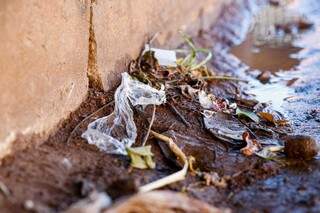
point(56, 174)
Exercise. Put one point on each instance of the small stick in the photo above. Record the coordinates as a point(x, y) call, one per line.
point(150, 125)
point(251, 132)
point(214, 78)
point(4, 189)
point(180, 175)
point(86, 118)
point(175, 110)
point(222, 78)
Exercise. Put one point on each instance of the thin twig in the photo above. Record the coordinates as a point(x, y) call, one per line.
point(208, 78)
point(222, 78)
point(248, 128)
point(153, 38)
point(206, 60)
point(86, 118)
point(180, 175)
point(4, 189)
point(175, 110)
point(150, 125)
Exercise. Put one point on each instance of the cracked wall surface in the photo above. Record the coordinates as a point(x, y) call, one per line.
point(52, 51)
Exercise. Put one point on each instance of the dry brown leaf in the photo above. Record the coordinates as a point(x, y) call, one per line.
point(266, 116)
point(252, 145)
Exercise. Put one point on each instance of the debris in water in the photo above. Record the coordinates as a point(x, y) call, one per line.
point(264, 76)
point(292, 81)
point(273, 119)
point(300, 147)
point(117, 131)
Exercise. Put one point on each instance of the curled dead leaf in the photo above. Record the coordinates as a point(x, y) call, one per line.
point(252, 145)
point(269, 117)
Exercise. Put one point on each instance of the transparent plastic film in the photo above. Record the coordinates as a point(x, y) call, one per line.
point(113, 133)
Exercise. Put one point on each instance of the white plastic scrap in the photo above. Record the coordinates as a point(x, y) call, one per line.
point(113, 133)
point(164, 57)
point(206, 100)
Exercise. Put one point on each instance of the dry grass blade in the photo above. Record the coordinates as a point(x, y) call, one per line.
point(150, 125)
point(87, 118)
point(190, 61)
point(229, 78)
point(176, 111)
point(4, 189)
point(180, 175)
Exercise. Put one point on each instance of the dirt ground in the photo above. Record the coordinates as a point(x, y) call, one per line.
point(57, 173)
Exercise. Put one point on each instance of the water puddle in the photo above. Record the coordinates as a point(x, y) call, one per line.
point(266, 57)
point(284, 41)
point(268, 50)
point(268, 45)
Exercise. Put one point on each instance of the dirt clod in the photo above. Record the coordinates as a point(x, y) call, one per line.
point(300, 147)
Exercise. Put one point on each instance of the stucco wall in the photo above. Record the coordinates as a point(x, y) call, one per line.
point(43, 62)
point(49, 48)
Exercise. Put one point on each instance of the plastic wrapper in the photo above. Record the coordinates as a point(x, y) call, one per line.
point(113, 133)
point(164, 57)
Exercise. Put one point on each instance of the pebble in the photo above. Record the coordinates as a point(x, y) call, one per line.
point(264, 77)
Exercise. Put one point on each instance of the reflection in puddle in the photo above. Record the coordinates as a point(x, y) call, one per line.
point(268, 45)
point(266, 57)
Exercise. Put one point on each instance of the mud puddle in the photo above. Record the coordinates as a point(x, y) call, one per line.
point(266, 57)
point(61, 171)
point(292, 87)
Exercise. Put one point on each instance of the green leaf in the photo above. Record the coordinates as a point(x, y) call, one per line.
point(247, 114)
point(190, 61)
point(141, 157)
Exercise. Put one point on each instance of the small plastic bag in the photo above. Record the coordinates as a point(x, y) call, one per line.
point(164, 57)
point(113, 133)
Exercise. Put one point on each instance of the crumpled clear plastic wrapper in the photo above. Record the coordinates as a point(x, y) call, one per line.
point(113, 133)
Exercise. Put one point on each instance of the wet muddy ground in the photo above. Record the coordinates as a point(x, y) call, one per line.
point(57, 173)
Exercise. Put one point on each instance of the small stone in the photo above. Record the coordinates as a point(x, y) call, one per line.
point(300, 147)
point(264, 77)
